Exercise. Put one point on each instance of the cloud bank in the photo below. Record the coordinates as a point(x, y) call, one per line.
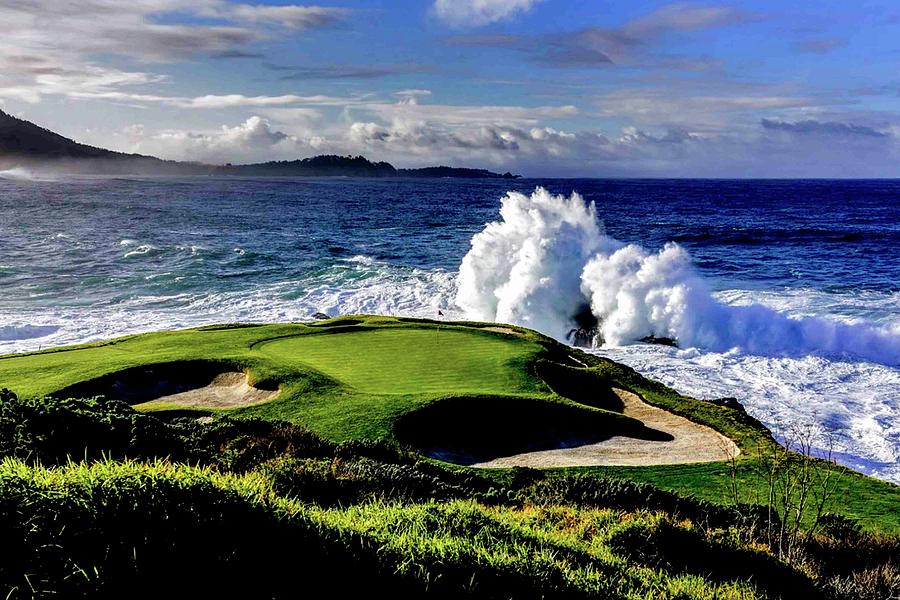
point(49, 47)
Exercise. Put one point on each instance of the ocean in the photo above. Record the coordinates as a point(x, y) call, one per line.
point(783, 294)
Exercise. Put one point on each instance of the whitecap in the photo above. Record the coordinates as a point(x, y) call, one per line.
point(26, 332)
point(142, 250)
point(548, 259)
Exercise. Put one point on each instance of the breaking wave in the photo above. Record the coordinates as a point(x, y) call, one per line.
point(548, 264)
point(17, 174)
point(26, 332)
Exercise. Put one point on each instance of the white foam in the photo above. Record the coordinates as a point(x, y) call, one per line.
point(142, 250)
point(853, 406)
point(13, 333)
point(360, 286)
point(548, 257)
point(17, 174)
point(26, 174)
point(526, 268)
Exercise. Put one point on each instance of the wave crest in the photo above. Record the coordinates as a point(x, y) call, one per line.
point(548, 258)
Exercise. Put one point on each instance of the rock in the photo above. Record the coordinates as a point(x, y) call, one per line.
point(730, 403)
point(584, 338)
point(320, 316)
point(662, 341)
point(587, 332)
point(745, 417)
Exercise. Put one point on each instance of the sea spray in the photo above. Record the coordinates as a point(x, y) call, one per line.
point(17, 174)
point(527, 267)
point(549, 256)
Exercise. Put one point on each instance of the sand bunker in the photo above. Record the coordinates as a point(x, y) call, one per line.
point(190, 384)
point(690, 443)
point(226, 390)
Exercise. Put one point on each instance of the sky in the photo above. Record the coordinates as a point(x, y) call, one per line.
point(539, 87)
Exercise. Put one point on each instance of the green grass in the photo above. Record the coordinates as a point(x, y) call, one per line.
point(414, 361)
point(356, 378)
point(114, 527)
point(345, 382)
point(263, 508)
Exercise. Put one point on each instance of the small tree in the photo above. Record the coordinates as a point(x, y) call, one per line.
point(798, 486)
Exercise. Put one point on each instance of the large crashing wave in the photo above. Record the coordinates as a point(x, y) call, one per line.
point(548, 259)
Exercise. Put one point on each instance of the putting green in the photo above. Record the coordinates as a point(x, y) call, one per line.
point(414, 361)
point(350, 378)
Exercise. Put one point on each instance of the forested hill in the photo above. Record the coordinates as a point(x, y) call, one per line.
point(330, 165)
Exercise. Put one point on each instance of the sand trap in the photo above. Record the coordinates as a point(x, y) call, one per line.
point(691, 443)
point(190, 384)
point(226, 390)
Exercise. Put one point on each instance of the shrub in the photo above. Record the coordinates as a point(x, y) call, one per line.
point(52, 431)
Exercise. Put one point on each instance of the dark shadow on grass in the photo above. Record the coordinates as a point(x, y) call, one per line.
point(468, 430)
point(584, 386)
point(337, 322)
point(678, 550)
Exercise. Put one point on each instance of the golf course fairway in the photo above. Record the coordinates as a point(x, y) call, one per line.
point(465, 393)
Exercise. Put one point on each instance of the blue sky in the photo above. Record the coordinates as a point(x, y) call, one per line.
point(539, 87)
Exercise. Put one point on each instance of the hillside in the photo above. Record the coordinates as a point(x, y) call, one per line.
point(24, 144)
point(23, 138)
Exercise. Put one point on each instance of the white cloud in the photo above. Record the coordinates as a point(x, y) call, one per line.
point(475, 13)
point(412, 94)
point(253, 140)
point(787, 149)
point(473, 144)
point(773, 148)
point(714, 111)
point(230, 100)
point(21, 94)
point(55, 47)
point(293, 17)
point(212, 101)
point(451, 115)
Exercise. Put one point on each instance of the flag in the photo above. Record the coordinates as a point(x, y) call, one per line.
point(440, 314)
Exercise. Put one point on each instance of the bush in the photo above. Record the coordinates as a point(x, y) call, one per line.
point(52, 431)
point(347, 481)
point(239, 445)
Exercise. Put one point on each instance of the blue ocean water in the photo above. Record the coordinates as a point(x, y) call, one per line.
point(88, 258)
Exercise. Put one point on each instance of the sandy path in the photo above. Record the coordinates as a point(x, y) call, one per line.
point(227, 390)
point(692, 443)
